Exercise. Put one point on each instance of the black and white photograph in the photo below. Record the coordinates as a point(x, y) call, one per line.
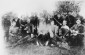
point(42, 27)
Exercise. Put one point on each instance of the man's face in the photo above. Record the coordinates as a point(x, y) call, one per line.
point(13, 23)
point(64, 22)
point(52, 23)
point(58, 15)
point(28, 20)
point(78, 21)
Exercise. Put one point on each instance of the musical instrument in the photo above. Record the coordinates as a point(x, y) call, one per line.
point(74, 32)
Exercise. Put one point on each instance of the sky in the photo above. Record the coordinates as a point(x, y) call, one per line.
point(27, 7)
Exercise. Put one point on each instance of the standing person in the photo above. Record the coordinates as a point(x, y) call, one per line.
point(6, 25)
point(70, 20)
point(23, 24)
point(58, 20)
point(28, 27)
point(18, 22)
point(35, 23)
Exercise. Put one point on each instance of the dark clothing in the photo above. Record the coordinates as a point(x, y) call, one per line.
point(34, 21)
point(64, 31)
point(18, 23)
point(78, 39)
point(29, 28)
point(23, 23)
point(23, 26)
point(35, 31)
point(57, 20)
point(6, 24)
point(23, 32)
point(79, 28)
point(44, 38)
point(70, 20)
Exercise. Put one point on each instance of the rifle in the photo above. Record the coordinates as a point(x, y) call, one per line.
point(58, 22)
point(20, 41)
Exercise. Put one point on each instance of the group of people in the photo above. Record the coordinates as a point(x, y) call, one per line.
point(53, 31)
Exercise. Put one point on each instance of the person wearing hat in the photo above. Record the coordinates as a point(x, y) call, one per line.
point(77, 34)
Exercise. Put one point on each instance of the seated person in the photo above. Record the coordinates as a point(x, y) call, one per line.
point(77, 34)
point(53, 30)
point(13, 31)
point(43, 34)
point(64, 29)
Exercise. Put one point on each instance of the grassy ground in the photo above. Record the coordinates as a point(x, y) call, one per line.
point(26, 49)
